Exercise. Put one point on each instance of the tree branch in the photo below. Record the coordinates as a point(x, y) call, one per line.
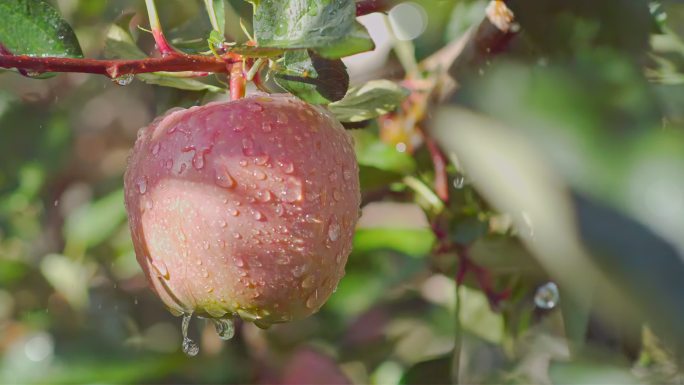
point(115, 68)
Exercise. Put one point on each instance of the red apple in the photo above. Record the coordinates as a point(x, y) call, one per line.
point(245, 207)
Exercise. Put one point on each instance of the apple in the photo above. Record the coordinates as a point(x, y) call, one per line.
point(245, 207)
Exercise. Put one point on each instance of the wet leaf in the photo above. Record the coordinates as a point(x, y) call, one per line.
point(369, 101)
point(327, 26)
point(311, 77)
point(35, 28)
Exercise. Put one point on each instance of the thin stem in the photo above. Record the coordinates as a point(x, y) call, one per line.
point(421, 189)
point(162, 44)
point(439, 163)
point(116, 68)
point(238, 83)
point(458, 338)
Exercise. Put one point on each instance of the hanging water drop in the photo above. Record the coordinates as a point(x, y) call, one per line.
point(123, 80)
point(459, 181)
point(190, 348)
point(547, 296)
point(225, 328)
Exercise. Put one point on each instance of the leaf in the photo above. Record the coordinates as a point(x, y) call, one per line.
point(216, 9)
point(120, 45)
point(35, 28)
point(375, 98)
point(413, 242)
point(372, 152)
point(327, 26)
point(91, 224)
point(435, 371)
point(311, 77)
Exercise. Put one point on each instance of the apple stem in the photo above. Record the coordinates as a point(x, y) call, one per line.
point(162, 44)
point(238, 82)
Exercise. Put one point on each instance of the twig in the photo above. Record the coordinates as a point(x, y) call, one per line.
point(162, 44)
point(116, 68)
point(482, 276)
point(439, 163)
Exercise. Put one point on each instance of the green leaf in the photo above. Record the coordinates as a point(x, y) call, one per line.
point(91, 224)
point(216, 9)
point(369, 101)
point(311, 77)
point(370, 151)
point(35, 28)
point(413, 242)
point(327, 26)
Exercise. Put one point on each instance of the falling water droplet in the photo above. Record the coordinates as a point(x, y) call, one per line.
point(190, 348)
point(459, 181)
point(123, 80)
point(547, 296)
point(224, 328)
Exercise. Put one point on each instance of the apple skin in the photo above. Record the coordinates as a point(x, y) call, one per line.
point(243, 208)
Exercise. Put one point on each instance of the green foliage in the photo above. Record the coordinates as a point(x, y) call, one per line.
point(35, 28)
point(369, 101)
point(329, 27)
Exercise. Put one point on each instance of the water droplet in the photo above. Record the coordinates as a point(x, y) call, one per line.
point(225, 328)
point(267, 127)
point(243, 162)
point(337, 195)
point(292, 190)
point(222, 223)
point(459, 181)
point(332, 177)
point(280, 210)
point(168, 164)
point(190, 348)
point(311, 301)
point(198, 160)
point(333, 230)
point(161, 268)
point(258, 215)
point(299, 271)
point(233, 211)
point(261, 160)
point(264, 196)
point(239, 262)
point(260, 175)
point(281, 117)
point(156, 148)
point(547, 296)
point(224, 179)
point(255, 107)
point(237, 235)
point(288, 167)
point(311, 219)
point(247, 146)
point(347, 174)
point(123, 80)
point(308, 282)
point(142, 184)
point(239, 128)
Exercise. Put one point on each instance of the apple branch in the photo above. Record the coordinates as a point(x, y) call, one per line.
point(115, 68)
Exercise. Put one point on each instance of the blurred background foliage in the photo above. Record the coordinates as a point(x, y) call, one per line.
point(566, 174)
